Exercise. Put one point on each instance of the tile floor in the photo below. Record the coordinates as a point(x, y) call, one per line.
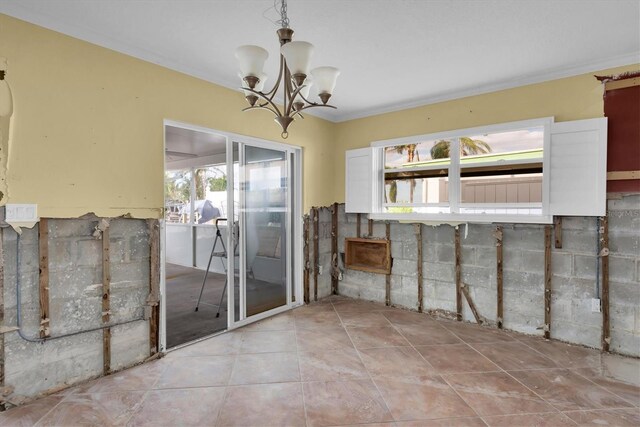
point(350, 362)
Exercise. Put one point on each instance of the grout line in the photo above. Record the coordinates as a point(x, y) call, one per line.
point(386, 405)
point(634, 405)
point(304, 402)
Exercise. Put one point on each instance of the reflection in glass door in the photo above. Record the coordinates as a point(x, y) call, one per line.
point(265, 216)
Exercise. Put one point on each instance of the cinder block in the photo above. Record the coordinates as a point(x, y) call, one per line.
point(561, 264)
point(523, 237)
point(402, 232)
point(624, 243)
point(410, 249)
point(445, 253)
point(487, 257)
point(397, 249)
point(623, 269)
point(623, 293)
point(437, 271)
point(404, 267)
point(479, 276)
point(511, 258)
point(585, 266)
point(533, 261)
point(61, 228)
point(579, 241)
point(467, 255)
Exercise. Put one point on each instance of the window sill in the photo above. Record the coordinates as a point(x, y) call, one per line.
point(463, 218)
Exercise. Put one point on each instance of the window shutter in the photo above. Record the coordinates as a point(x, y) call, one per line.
point(359, 180)
point(578, 168)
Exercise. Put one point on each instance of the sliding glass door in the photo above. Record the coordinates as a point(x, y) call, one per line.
point(265, 207)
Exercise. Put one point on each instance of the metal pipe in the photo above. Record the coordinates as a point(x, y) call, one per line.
point(19, 310)
point(598, 257)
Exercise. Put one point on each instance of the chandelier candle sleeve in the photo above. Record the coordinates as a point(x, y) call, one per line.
point(289, 95)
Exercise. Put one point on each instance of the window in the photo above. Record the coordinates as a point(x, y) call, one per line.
point(495, 170)
point(524, 171)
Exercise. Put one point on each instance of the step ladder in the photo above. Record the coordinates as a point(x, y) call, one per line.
point(223, 258)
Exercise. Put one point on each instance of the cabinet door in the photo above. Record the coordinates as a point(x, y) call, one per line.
point(359, 180)
point(578, 163)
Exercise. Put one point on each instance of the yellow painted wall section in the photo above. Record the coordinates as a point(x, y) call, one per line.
point(87, 130)
point(572, 98)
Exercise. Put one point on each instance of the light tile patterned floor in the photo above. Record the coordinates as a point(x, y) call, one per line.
point(347, 362)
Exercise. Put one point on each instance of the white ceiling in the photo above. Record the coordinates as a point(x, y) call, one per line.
point(393, 54)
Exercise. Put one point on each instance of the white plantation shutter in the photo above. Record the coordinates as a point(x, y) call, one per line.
point(578, 168)
point(359, 180)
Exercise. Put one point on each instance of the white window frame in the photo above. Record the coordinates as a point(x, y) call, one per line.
point(454, 216)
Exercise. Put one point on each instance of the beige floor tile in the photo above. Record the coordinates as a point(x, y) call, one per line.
point(322, 318)
point(220, 345)
point(567, 390)
point(456, 358)
point(444, 422)
point(30, 413)
point(268, 342)
point(184, 407)
point(420, 398)
point(530, 420)
point(332, 366)
point(618, 418)
point(342, 403)
point(476, 334)
point(408, 318)
point(141, 377)
point(565, 355)
point(629, 392)
point(514, 355)
point(280, 322)
point(262, 368)
point(395, 361)
point(496, 393)
point(386, 336)
point(323, 339)
point(263, 405)
point(364, 320)
point(428, 334)
point(353, 305)
point(199, 371)
point(97, 409)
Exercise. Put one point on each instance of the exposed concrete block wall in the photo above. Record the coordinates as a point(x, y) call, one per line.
point(573, 274)
point(324, 254)
point(75, 295)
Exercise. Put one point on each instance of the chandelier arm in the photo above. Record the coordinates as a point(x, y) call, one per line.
point(292, 97)
point(276, 86)
point(261, 107)
point(317, 105)
point(275, 109)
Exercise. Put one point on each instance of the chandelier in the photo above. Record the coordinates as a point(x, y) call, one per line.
point(294, 77)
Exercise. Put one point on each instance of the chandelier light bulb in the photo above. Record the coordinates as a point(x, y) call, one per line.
point(251, 60)
point(325, 81)
point(298, 56)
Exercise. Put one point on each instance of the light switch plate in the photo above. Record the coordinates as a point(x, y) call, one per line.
point(21, 212)
point(595, 305)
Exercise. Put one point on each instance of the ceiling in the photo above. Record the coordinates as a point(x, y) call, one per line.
point(393, 54)
point(184, 144)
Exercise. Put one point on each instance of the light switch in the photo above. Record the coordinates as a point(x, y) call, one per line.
point(22, 212)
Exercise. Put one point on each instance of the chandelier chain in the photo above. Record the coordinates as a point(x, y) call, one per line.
point(284, 19)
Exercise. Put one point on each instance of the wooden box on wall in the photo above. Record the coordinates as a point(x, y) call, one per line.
point(369, 255)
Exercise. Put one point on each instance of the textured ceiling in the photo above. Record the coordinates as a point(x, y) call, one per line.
point(393, 53)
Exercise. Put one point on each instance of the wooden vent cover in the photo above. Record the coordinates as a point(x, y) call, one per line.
point(369, 255)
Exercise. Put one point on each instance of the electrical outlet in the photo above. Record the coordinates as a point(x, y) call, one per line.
point(320, 269)
point(595, 305)
point(21, 212)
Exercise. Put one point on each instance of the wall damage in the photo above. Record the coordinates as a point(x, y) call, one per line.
point(69, 331)
point(507, 271)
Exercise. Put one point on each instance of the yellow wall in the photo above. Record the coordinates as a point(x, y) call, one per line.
point(87, 129)
point(572, 98)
